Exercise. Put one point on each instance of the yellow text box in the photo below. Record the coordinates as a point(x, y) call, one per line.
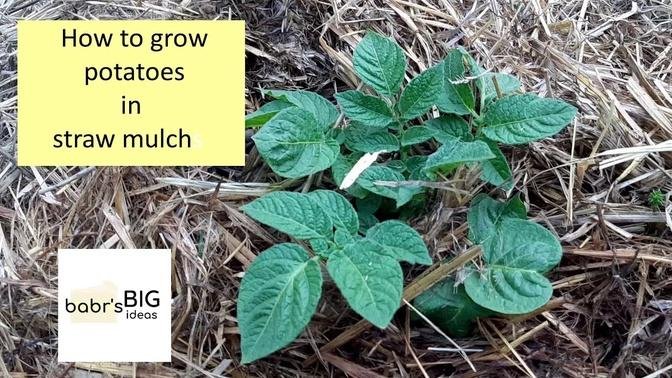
point(131, 93)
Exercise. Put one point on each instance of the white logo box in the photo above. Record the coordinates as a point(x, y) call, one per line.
point(114, 305)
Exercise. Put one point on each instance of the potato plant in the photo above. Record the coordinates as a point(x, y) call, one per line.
point(300, 134)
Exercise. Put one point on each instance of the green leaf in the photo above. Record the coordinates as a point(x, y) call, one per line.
point(340, 169)
point(525, 118)
point(265, 113)
point(486, 213)
point(456, 152)
point(294, 145)
point(380, 63)
point(295, 214)
point(449, 127)
point(338, 208)
point(325, 112)
point(516, 256)
point(321, 247)
point(370, 282)
point(508, 291)
point(366, 221)
point(507, 85)
point(370, 204)
point(360, 137)
point(417, 205)
point(456, 96)
point(449, 307)
point(380, 173)
point(368, 110)
point(416, 168)
point(278, 296)
point(421, 93)
point(400, 241)
point(376, 173)
point(415, 135)
point(515, 208)
point(343, 237)
point(496, 171)
point(406, 193)
point(522, 244)
point(397, 165)
point(486, 86)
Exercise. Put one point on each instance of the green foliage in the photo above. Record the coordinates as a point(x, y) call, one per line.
point(456, 152)
point(278, 296)
point(368, 110)
point(341, 167)
point(400, 242)
point(448, 128)
point(496, 171)
point(281, 288)
point(294, 145)
point(265, 113)
point(516, 254)
point(370, 281)
point(363, 138)
point(380, 63)
point(378, 178)
point(298, 136)
point(457, 96)
point(449, 307)
point(485, 82)
point(420, 94)
point(325, 112)
point(485, 214)
point(338, 208)
point(298, 215)
point(656, 199)
point(525, 118)
point(416, 135)
point(478, 110)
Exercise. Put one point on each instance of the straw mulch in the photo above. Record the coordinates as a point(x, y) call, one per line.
point(612, 308)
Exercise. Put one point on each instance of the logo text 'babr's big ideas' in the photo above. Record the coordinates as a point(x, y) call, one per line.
point(114, 305)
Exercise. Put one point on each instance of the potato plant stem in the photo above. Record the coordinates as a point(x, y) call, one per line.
point(432, 277)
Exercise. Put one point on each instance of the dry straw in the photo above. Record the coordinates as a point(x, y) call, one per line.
point(612, 307)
